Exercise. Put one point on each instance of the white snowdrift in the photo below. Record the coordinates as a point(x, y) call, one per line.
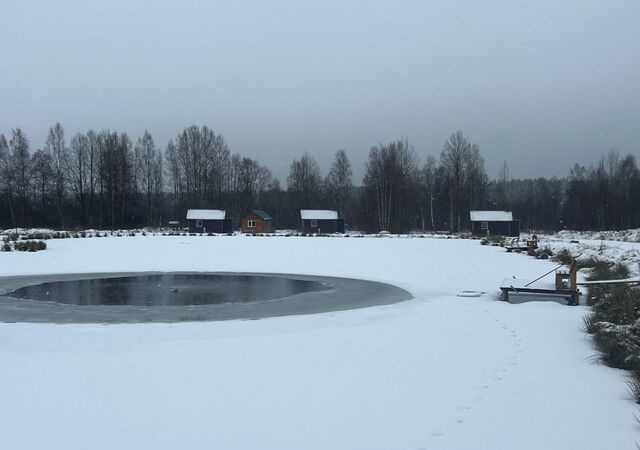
point(436, 372)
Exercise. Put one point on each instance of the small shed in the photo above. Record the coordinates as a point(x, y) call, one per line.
point(256, 221)
point(208, 221)
point(494, 223)
point(320, 221)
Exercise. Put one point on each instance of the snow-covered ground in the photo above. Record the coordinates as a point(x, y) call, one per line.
point(612, 246)
point(435, 372)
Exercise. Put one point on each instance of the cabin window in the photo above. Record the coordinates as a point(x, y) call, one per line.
point(198, 223)
point(251, 223)
point(314, 223)
point(484, 225)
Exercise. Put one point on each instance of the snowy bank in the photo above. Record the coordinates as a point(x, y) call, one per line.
point(436, 372)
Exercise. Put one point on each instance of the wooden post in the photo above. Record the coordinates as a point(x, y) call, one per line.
point(573, 273)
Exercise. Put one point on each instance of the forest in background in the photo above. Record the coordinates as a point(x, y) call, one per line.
point(105, 180)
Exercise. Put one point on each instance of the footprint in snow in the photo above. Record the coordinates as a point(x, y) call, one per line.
point(436, 434)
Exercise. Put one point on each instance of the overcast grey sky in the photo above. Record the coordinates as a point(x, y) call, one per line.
point(540, 84)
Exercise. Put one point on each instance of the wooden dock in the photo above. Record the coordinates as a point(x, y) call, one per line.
point(519, 246)
point(518, 287)
point(565, 287)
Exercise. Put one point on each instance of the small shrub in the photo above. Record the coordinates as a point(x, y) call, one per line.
point(564, 256)
point(30, 246)
point(613, 352)
point(588, 263)
point(6, 247)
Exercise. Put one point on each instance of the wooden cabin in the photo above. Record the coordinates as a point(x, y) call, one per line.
point(209, 221)
point(494, 223)
point(256, 221)
point(319, 221)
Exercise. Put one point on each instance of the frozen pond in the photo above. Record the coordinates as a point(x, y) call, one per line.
point(182, 296)
point(170, 289)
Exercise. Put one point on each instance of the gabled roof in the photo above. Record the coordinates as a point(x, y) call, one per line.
point(206, 214)
point(491, 216)
point(318, 214)
point(262, 214)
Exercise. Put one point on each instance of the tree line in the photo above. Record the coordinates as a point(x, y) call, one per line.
point(103, 179)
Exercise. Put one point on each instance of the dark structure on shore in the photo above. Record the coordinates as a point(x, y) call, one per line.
point(256, 221)
point(208, 221)
point(320, 221)
point(494, 223)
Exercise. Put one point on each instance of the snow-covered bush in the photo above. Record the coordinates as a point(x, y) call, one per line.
point(615, 320)
point(30, 246)
point(564, 256)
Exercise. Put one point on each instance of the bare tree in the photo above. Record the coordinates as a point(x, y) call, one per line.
point(78, 164)
point(42, 177)
point(475, 178)
point(93, 162)
point(390, 179)
point(339, 183)
point(158, 187)
point(55, 146)
point(148, 159)
point(203, 159)
point(175, 176)
point(7, 178)
point(116, 181)
point(19, 148)
point(453, 158)
point(503, 197)
point(427, 182)
point(304, 182)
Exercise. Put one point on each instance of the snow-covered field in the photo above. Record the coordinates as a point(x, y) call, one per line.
point(435, 372)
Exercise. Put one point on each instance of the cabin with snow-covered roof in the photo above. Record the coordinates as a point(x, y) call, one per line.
point(209, 221)
point(494, 223)
point(320, 221)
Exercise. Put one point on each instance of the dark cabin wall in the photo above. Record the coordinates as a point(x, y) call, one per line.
point(511, 229)
point(212, 226)
point(323, 226)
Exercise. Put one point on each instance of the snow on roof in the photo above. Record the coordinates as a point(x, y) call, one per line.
point(318, 214)
point(206, 214)
point(491, 216)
